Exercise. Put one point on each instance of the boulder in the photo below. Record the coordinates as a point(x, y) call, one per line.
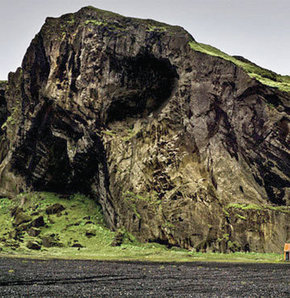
point(12, 243)
point(90, 233)
point(15, 234)
point(15, 210)
point(78, 245)
point(54, 209)
point(51, 241)
point(33, 245)
point(38, 222)
point(33, 232)
point(118, 239)
point(21, 218)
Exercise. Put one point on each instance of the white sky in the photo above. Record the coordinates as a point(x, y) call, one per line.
point(259, 30)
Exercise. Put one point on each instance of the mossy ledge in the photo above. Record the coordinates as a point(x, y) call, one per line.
point(264, 76)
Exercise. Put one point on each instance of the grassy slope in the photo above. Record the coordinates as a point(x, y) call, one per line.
point(72, 225)
point(263, 75)
point(284, 209)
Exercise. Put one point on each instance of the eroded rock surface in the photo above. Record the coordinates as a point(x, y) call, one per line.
point(3, 108)
point(3, 117)
point(165, 138)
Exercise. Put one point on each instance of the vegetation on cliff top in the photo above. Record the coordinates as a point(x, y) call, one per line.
point(3, 83)
point(77, 231)
point(265, 76)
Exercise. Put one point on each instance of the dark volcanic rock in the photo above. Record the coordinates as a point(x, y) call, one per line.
point(90, 233)
point(21, 218)
point(12, 243)
point(38, 222)
point(15, 234)
point(78, 245)
point(33, 232)
point(118, 239)
point(33, 245)
point(3, 107)
point(166, 138)
point(15, 210)
point(51, 241)
point(55, 208)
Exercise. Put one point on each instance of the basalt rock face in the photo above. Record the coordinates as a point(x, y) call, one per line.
point(3, 118)
point(179, 147)
point(3, 106)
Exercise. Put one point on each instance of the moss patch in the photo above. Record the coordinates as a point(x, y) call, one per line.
point(3, 83)
point(283, 209)
point(152, 28)
point(96, 23)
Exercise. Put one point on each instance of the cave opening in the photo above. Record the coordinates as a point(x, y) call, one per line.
point(145, 83)
point(43, 157)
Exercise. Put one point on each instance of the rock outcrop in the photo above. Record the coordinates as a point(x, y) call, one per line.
point(178, 147)
point(2, 98)
point(3, 106)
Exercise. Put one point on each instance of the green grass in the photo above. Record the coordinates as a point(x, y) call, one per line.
point(96, 23)
point(148, 253)
point(109, 133)
point(71, 21)
point(3, 83)
point(266, 77)
point(5, 219)
point(284, 209)
point(111, 26)
point(73, 223)
point(244, 206)
point(152, 28)
point(241, 216)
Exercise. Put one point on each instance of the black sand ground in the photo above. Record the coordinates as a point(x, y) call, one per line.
point(19, 277)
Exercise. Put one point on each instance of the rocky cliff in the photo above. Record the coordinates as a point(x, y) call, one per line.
point(177, 146)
